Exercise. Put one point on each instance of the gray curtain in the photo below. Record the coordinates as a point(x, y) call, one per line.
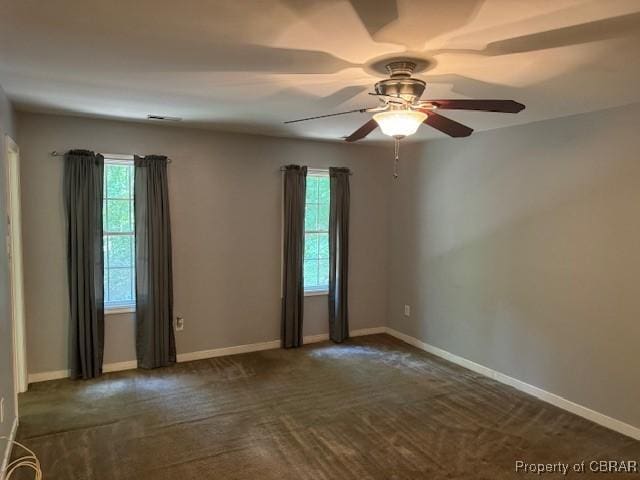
point(295, 185)
point(339, 254)
point(155, 341)
point(83, 183)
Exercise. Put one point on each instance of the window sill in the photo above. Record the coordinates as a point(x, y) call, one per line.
point(315, 293)
point(119, 310)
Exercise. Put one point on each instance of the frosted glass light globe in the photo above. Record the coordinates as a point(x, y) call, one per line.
point(400, 123)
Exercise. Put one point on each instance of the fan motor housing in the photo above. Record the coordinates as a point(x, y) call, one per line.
point(409, 89)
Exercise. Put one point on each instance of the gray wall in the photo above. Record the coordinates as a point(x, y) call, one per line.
point(6, 337)
point(226, 218)
point(519, 249)
point(516, 248)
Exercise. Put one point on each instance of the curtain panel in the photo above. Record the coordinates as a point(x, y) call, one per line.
point(83, 193)
point(339, 254)
point(295, 184)
point(155, 340)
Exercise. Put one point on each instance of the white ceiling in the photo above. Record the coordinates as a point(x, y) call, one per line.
point(249, 65)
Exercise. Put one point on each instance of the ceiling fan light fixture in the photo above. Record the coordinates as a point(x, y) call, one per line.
point(399, 123)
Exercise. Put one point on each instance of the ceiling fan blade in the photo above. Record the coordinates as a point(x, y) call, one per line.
point(504, 106)
point(363, 131)
point(446, 125)
point(359, 110)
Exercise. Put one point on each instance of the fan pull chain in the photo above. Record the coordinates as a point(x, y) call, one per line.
point(396, 160)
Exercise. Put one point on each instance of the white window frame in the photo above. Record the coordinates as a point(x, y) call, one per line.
point(311, 292)
point(121, 307)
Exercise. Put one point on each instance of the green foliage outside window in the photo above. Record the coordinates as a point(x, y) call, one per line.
point(316, 244)
point(118, 241)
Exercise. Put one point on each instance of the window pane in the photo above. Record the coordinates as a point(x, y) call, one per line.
point(323, 273)
point(323, 190)
point(119, 216)
point(311, 217)
point(312, 189)
point(310, 273)
point(118, 181)
point(310, 245)
point(120, 285)
point(120, 251)
point(316, 252)
point(119, 257)
point(323, 245)
point(323, 217)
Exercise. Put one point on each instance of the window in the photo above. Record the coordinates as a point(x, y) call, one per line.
point(119, 237)
point(316, 233)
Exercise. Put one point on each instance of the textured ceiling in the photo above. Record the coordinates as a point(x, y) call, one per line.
point(250, 65)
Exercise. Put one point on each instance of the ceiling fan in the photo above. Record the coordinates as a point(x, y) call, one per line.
point(401, 112)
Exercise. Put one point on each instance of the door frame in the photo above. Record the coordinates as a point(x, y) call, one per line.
point(14, 251)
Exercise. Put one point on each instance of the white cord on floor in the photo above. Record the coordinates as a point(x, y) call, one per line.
point(28, 461)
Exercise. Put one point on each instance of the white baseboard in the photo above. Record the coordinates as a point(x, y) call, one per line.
point(368, 331)
point(221, 352)
point(46, 376)
point(202, 354)
point(256, 347)
point(321, 337)
point(552, 398)
point(8, 448)
point(118, 366)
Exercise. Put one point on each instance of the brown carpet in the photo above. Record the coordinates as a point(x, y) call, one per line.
point(372, 408)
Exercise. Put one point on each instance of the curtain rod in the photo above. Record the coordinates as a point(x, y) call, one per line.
point(108, 155)
point(284, 169)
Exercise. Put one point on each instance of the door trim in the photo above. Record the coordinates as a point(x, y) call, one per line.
point(14, 250)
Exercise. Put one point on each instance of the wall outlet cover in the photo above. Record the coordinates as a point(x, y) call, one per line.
point(179, 324)
point(407, 310)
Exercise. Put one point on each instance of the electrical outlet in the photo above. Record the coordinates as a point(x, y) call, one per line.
point(179, 324)
point(407, 310)
point(2, 410)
